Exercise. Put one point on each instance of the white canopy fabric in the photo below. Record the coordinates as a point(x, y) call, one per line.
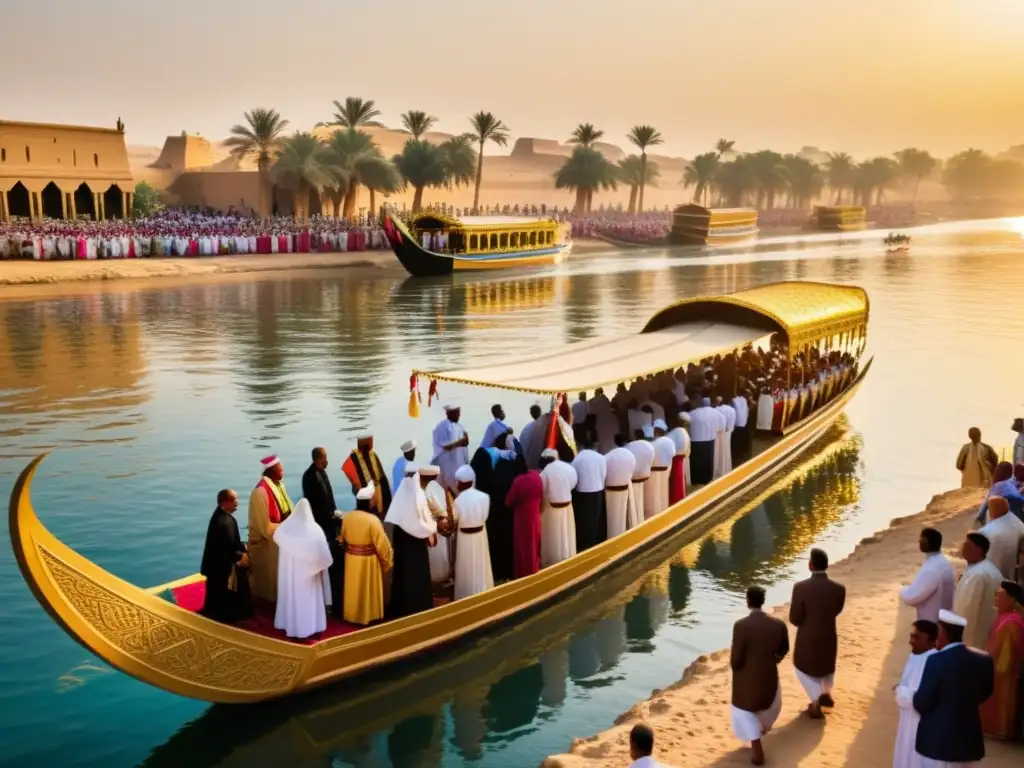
point(598, 362)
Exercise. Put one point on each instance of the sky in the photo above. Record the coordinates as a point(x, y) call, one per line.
point(863, 76)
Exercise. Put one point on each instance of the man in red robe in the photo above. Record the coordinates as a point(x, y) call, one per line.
point(524, 498)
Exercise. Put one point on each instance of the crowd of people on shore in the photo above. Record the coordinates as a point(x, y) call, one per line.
point(574, 477)
point(964, 678)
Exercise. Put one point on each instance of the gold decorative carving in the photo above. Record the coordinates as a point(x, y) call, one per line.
point(172, 649)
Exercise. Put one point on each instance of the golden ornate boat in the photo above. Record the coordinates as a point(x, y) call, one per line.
point(149, 635)
point(434, 244)
point(838, 218)
point(694, 224)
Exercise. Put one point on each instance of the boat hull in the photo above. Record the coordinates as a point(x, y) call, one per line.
point(166, 646)
point(420, 262)
point(712, 238)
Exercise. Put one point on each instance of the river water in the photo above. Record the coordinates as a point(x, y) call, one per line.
point(154, 398)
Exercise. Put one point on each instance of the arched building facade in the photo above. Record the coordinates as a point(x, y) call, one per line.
point(64, 171)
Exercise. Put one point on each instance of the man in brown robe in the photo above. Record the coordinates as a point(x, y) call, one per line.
point(759, 643)
point(269, 506)
point(976, 461)
point(816, 603)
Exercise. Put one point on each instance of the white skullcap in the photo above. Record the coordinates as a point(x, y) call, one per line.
point(365, 494)
point(430, 471)
point(948, 617)
point(408, 445)
point(270, 461)
point(465, 474)
point(648, 430)
point(452, 407)
point(549, 453)
point(411, 468)
point(660, 424)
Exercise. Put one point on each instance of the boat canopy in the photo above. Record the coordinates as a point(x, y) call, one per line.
point(687, 331)
point(437, 220)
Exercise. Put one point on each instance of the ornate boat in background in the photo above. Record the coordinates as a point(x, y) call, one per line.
point(434, 244)
point(694, 224)
point(157, 636)
point(838, 218)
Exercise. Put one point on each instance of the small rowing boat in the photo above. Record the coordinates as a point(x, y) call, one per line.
point(433, 244)
point(158, 636)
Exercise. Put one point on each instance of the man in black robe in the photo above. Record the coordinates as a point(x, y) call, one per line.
point(413, 532)
point(225, 554)
point(316, 487)
point(495, 470)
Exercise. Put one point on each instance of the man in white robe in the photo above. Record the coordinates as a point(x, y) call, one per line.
point(933, 587)
point(704, 423)
point(451, 446)
point(643, 452)
point(441, 561)
point(558, 525)
point(723, 444)
point(976, 591)
point(922, 645)
point(664, 453)
point(1004, 532)
point(473, 555)
point(618, 489)
point(303, 589)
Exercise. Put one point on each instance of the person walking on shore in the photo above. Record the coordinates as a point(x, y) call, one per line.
point(955, 682)
point(976, 461)
point(759, 643)
point(933, 587)
point(816, 603)
point(923, 635)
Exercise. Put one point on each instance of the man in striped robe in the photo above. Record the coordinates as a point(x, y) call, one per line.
point(362, 467)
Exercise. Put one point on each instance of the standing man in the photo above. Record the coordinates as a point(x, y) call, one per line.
point(1004, 532)
point(643, 452)
point(473, 555)
point(922, 645)
point(741, 434)
point(269, 506)
point(317, 490)
point(815, 604)
point(664, 456)
point(558, 526)
point(398, 470)
point(414, 533)
point(620, 464)
point(703, 431)
point(531, 439)
point(728, 415)
point(641, 747)
point(496, 428)
point(525, 498)
point(976, 461)
point(451, 449)
point(588, 495)
point(759, 643)
point(439, 502)
point(954, 684)
point(976, 591)
point(679, 475)
point(368, 556)
point(225, 564)
point(1018, 443)
point(933, 587)
point(363, 467)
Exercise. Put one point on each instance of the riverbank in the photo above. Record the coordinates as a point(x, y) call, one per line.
point(691, 717)
point(31, 279)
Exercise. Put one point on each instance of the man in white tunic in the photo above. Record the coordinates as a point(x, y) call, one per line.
point(933, 587)
point(723, 448)
point(664, 453)
point(922, 645)
point(441, 510)
point(975, 597)
point(1004, 532)
point(451, 446)
point(703, 431)
point(588, 496)
point(472, 556)
point(618, 489)
point(303, 589)
point(558, 526)
point(643, 451)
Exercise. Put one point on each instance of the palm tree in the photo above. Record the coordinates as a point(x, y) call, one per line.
point(805, 180)
point(586, 135)
point(771, 176)
point(724, 147)
point(421, 165)
point(486, 127)
point(417, 123)
point(735, 181)
point(261, 138)
point(460, 160)
point(303, 165)
point(630, 172)
point(585, 171)
point(840, 173)
point(358, 157)
point(355, 113)
point(968, 174)
point(881, 173)
point(916, 164)
point(643, 136)
point(380, 177)
point(700, 173)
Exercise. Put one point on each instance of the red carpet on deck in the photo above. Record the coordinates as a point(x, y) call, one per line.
point(191, 597)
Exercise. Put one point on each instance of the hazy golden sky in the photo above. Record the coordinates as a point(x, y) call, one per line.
point(866, 76)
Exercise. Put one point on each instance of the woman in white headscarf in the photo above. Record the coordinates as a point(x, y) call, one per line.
point(415, 531)
point(303, 589)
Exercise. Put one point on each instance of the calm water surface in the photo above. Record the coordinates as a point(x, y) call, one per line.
point(154, 399)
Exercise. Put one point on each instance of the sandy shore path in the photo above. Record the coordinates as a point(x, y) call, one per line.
point(691, 717)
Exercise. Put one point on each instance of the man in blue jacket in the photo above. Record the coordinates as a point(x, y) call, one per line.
point(955, 682)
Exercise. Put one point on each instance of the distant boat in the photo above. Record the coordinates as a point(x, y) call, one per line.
point(895, 242)
point(434, 244)
point(839, 218)
point(694, 224)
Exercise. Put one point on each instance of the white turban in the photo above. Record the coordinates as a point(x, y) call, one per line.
point(465, 474)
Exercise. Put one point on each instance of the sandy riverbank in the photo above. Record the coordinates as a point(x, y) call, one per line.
point(29, 279)
point(691, 716)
